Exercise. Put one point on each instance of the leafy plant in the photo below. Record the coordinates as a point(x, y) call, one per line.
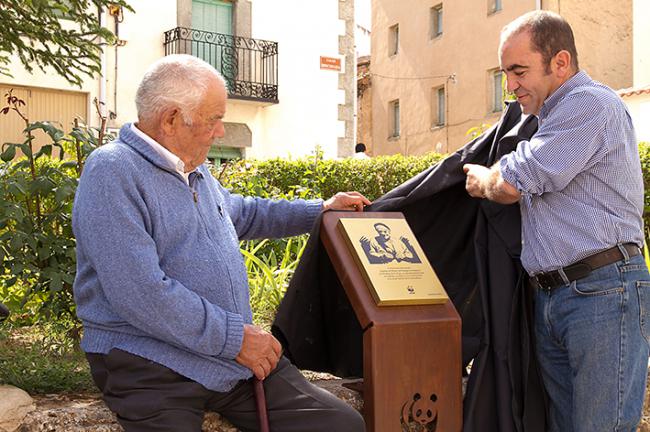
point(477, 130)
point(37, 247)
point(269, 274)
point(41, 360)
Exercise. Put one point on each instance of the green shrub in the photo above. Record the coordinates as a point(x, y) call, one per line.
point(41, 359)
point(317, 177)
point(37, 248)
point(644, 154)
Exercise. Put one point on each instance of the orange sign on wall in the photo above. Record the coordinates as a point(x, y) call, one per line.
point(330, 63)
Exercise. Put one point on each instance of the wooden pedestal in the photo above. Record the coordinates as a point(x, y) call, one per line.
point(412, 354)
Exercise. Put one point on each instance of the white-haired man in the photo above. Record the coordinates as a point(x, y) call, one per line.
point(579, 186)
point(161, 286)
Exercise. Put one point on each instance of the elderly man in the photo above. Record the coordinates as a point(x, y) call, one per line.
point(579, 187)
point(161, 286)
point(383, 248)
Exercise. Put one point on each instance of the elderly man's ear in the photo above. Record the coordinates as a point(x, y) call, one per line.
point(170, 119)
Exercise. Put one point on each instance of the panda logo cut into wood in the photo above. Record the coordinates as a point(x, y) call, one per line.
point(420, 414)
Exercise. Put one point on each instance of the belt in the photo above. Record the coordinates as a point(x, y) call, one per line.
point(548, 281)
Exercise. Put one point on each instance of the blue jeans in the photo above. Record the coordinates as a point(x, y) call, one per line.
point(592, 346)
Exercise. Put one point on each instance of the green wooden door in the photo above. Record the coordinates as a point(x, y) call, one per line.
point(212, 16)
point(215, 16)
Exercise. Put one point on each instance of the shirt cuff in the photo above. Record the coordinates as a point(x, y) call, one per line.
point(234, 336)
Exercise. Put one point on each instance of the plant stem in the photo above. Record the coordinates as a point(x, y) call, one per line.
point(80, 164)
point(32, 165)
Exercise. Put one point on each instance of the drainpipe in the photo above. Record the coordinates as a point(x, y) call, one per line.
point(117, 45)
point(102, 78)
point(538, 4)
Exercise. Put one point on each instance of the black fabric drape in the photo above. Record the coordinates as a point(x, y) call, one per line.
point(474, 246)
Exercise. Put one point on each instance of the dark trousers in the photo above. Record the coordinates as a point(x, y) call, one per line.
point(147, 396)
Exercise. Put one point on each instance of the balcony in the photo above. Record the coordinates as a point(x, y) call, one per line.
point(249, 66)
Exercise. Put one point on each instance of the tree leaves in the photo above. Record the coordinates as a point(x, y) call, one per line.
point(9, 153)
point(33, 31)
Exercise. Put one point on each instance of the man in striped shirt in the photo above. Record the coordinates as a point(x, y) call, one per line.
point(579, 186)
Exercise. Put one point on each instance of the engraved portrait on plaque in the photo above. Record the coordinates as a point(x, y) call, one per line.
point(392, 262)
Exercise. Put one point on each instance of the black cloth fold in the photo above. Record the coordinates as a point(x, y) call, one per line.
point(474, 245)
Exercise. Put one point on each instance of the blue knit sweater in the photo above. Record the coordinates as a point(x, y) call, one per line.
point(159, 271)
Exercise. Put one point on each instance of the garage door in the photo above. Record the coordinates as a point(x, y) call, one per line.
point(59, 107)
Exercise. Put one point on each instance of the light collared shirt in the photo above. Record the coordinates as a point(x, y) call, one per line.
point(174, 161)
point(579, 177)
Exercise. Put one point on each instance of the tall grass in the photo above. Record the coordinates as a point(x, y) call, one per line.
point(270, 265)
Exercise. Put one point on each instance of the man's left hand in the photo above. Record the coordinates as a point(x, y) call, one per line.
point(477, 176)
point(484, 182)
point(346, 201)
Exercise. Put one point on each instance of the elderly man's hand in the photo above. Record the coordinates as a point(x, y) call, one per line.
point(346, 201)
point(260, 351)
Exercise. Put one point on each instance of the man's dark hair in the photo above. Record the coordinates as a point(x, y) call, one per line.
point(361, 147)
point(549, 34)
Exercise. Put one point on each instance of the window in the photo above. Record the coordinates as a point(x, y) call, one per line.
point(394, 120)
point(438, 107)
point(494, 6)
point(218, 155)
point(393, 41)
point(497, 91)
point(436, 21)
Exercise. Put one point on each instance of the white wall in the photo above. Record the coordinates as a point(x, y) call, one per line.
point(307, 115)
point(362, 18)
point(639, 107)
point(144, 36)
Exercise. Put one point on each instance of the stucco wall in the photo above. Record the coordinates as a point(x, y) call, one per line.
point(467, 49)
point(144, 44)
point(364, 105)
point(603, 33)
point(641, 31)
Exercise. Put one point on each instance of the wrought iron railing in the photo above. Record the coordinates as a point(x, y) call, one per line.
point(250, 66)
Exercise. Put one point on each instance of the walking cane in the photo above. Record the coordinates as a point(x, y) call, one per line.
point(260, 400)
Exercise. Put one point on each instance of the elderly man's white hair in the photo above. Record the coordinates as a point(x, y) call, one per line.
point(177, 80)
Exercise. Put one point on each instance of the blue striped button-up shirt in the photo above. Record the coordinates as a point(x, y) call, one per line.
point(579, 177)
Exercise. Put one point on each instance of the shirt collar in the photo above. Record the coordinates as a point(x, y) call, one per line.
point(174, 162)
point(579, 79)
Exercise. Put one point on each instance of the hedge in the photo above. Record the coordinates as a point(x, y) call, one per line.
point(316, 177)
point(37, 252)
